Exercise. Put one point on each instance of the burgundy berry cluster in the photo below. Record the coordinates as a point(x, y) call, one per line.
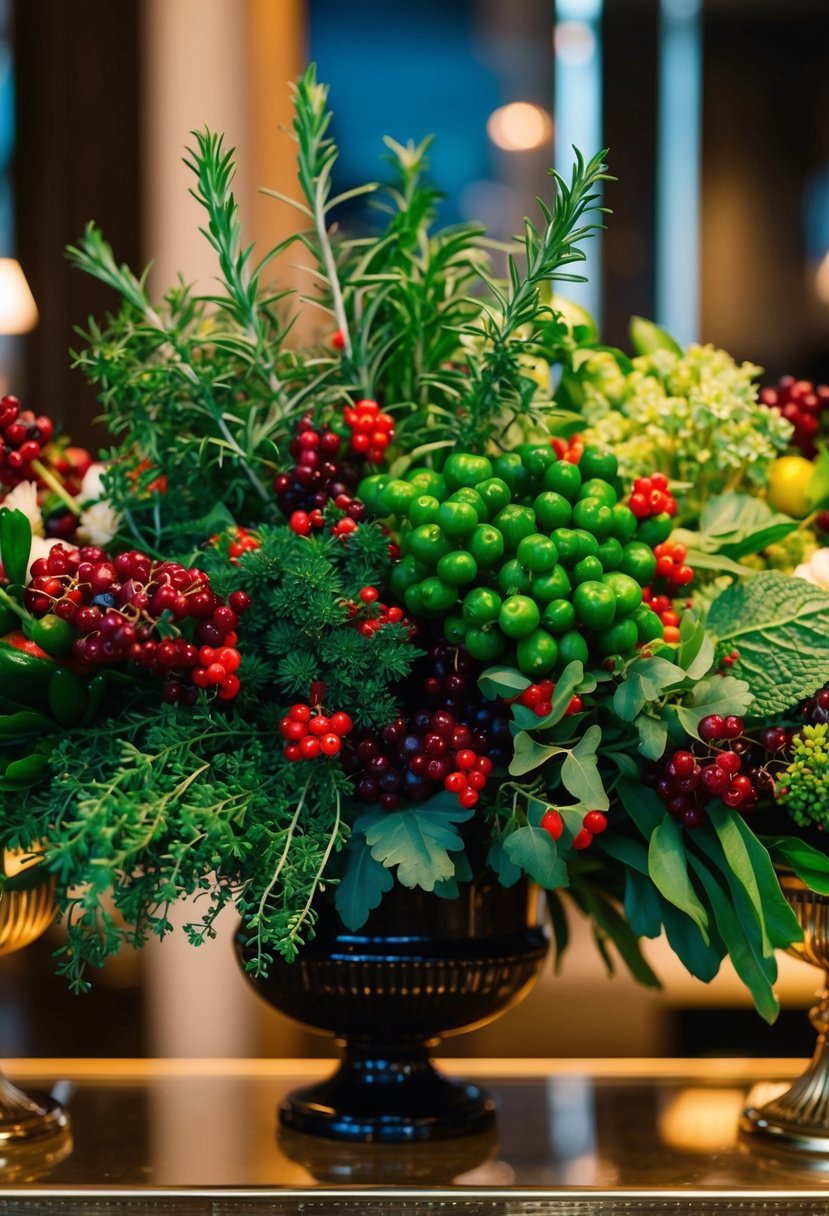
point(22, 439)
point(801, 403)
point(453, 742)
point(318, 477)
point(116, 604)
point(816, 710)
point(309, 733)
point(687, 782)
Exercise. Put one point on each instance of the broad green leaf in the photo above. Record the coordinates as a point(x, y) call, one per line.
point(751, 864)
point(779, 625)
point(580, 771)
point(668, 866)
point(15, 544)
point(807, 863)
point(363, 884)
point(418, 840)
point(507, 871)
point(502, 681)
point(736, 524)
point(646, 679)
point(535, 852)
point(713, 695)
point(642, 905)
point(653, 735)
point(699, 958)
point(696, 650)
point(529, 754)
point(642, 805)
point(742, 941)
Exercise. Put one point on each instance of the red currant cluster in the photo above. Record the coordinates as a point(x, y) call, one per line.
point(802, 404)
point(312, 732)
point(663, 606)
point(372, 430)
point(539, 698)
point(593, 824)
point(373, 615)
point(688, 781)
point(651, 496)
point(317, 478)
point(241, 541)
point(570, 451)
point(22, 439)
point(115, 605)
point(670, 564)
point(453, 744)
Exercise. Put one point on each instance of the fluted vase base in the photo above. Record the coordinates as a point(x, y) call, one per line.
point(388, 1095)
point(28, 1120)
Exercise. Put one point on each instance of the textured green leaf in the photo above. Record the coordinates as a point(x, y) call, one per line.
point(363, 884)
point(580, 771)
point(535, 852)
point(418, 840)
point(668, 866)
point(713, 695)
point(780, 626)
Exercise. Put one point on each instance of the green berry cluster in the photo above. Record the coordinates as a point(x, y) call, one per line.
point(527, 554)
point(803, 787)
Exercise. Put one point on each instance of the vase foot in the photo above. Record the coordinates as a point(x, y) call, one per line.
point(28, 1119)
point(761, 1129)
point(388, 1097)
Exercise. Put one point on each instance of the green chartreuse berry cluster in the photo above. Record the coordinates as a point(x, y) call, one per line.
point(526, 555)
point(803, 787)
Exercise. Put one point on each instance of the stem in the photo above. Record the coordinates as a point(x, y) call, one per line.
point(16, 608)
point(331, 269)
point(56, 486)
point(335, 831)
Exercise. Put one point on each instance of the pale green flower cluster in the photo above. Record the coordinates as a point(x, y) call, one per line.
point(694, 417)
point(803, 788)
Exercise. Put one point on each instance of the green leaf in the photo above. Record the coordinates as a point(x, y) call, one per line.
point(646, 338)
point(713, 695)
point(642, 805)
point(653, 735)
point(507, 871)
point(699, 958)
point(534, 851)
point(363, 884)
point(742, 941)
point(779, 625)
point(645, 679)
point(642, 905)
point(572, 679)
point(559, 926)
point(751, 865)
point(15, 544)
point(613, 926)
point(668, 866)
point(580, 771)
point(809, 864)
point(502, 682)
point(696, 650)
point(418, 840)
point(735, 524)
point(529, 754)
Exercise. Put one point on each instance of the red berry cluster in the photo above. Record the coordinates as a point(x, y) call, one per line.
point(373, 615)
point(592, 824)
point(801, 403)
point(688, 781)
point(241, 541)
point(663, 606)
point(670, 564)
point(651, 496)
point(22, 439)
point(539, 698)
point(312, 732)
point(318, 478)
point(571, 450)
point(372, 430)
point(115, 605)
point(453, 743)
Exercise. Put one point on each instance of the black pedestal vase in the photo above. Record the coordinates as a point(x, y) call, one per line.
point(422, 967)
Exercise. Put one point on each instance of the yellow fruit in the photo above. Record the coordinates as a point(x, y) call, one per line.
point(789, 479)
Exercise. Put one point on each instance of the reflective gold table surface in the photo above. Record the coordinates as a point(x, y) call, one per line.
point(586, 1137)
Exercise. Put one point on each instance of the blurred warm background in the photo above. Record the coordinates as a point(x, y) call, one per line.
point(716, 113)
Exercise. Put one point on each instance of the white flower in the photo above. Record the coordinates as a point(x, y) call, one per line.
point(816, 569)
point(92, 486)
point(24, 498)
point(98, 524)
point(40, 548)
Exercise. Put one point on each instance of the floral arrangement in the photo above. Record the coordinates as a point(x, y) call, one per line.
point(318, 611)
